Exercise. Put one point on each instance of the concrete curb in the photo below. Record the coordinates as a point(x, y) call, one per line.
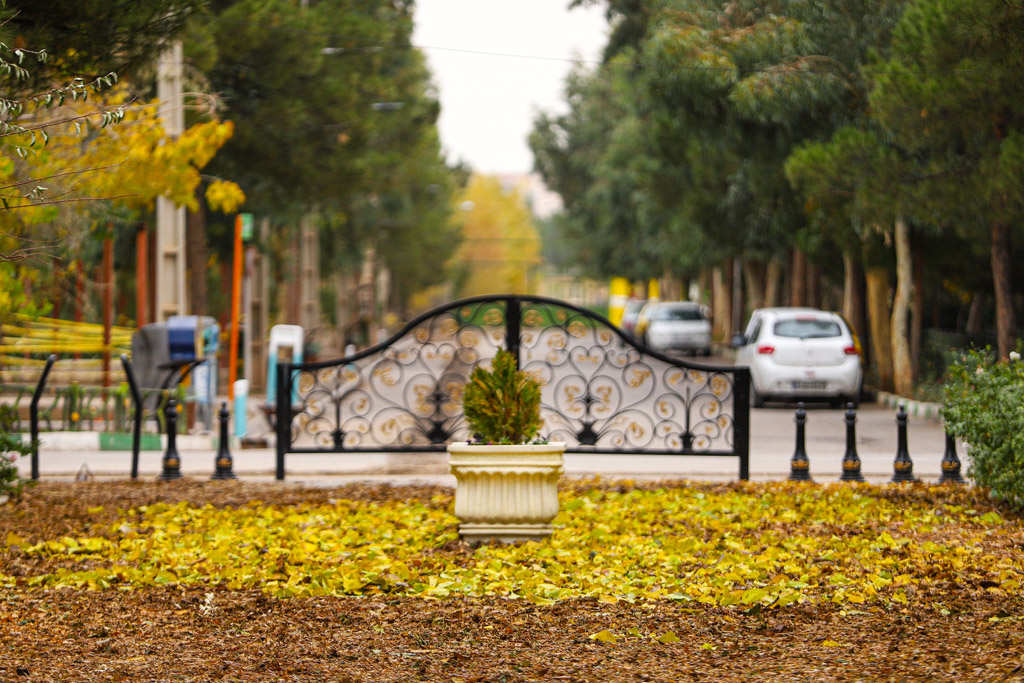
point(90, 441)
point(929, 411)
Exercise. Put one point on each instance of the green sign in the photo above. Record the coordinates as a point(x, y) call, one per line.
point(246, 226)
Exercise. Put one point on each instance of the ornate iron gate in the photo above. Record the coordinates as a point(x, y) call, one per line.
point(601, 392)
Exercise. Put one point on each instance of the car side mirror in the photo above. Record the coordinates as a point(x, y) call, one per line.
point(738, 340)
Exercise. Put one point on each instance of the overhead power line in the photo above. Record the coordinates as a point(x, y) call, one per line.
point(374, 46)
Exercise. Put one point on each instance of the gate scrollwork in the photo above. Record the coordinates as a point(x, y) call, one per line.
point(601, 392)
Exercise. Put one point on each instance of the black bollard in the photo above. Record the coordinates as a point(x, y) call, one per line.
point(902, 466)
point(799, 465)
point(951, 463)
point(171, 460)
point(851, 461)
point(223, 462)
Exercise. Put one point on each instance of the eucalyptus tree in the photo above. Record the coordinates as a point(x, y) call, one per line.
point(738, 86)
point(334, 110)
point(952, 91)
point(594, 157)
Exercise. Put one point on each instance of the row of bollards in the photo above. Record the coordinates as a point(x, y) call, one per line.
point(223, 462)
point(903, 466)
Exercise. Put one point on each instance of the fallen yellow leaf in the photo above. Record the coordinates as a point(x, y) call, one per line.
point(605, 636)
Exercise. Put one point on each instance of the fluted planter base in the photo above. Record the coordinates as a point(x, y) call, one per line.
point(508, 493)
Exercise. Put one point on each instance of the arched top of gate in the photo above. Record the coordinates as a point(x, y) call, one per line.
point(491, 311)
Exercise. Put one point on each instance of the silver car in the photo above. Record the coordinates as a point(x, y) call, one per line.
point(675, 326)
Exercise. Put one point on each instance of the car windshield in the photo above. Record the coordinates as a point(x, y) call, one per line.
point(673, 313)
point(807, 328)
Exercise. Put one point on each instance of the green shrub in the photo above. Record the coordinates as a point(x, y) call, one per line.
point(11, 448)
point(502, 405)
point(985, 407)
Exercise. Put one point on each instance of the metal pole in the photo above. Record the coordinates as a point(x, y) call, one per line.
point(284, 418)
point(902, 466)
point(33, 414)
point(741, 421)
point(137, 418)
point(951, 463)
point(223, 461)
point(799, 465)
point(169, 275)
point(512, 330)
point(851, 461)
point(108, 301)
point(236, 293)
point(171, 460)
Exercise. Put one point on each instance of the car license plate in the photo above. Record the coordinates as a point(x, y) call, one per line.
point(808, 384)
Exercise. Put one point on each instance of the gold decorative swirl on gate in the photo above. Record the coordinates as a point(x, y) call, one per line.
point(604, 394)
point(449, 327)
point(384, 374)
point(422, 392)
point(638, 378)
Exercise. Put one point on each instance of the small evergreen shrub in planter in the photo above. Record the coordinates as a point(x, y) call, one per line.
point(506, 481)
point(984, 406)
point(502, 405)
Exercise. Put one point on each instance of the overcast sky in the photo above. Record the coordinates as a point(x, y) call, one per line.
point(488, 96)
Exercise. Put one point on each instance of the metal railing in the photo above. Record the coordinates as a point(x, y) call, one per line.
point(601, 391)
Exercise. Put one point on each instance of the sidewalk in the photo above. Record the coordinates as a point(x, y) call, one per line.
point(63, 454)
point(258, 464)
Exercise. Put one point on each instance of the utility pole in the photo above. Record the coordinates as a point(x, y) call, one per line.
point(170, 219)
point(309, 274)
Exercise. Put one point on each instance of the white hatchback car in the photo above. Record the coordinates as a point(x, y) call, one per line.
point(675, 326)
point(800, 354)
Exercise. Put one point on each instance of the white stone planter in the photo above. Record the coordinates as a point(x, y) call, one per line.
point(506, 492)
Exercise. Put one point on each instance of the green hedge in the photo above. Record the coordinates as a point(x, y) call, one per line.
point(984, 406)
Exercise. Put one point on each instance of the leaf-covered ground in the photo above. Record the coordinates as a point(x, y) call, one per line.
point(654, 581)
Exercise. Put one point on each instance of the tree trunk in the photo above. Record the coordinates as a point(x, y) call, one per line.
point(903, 374)
point(877, 280)
point(798, 280)
point(973, 327)
point(917, 316)
point(849, 287)
point(772, 283)
point(1001, 277)
point(859, 316)
point(197, 256)
point(813, 286)
point(736, 273)
point(754, 276)
point(722, 301)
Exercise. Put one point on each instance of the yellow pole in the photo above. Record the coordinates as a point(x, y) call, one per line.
point(618, 292)
point(236, 296)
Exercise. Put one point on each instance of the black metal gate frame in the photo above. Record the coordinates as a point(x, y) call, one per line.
point(571, 406)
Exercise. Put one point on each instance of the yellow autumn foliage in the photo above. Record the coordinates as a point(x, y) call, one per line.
point(134, 160)
point(500, 248)
point(747, 547)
